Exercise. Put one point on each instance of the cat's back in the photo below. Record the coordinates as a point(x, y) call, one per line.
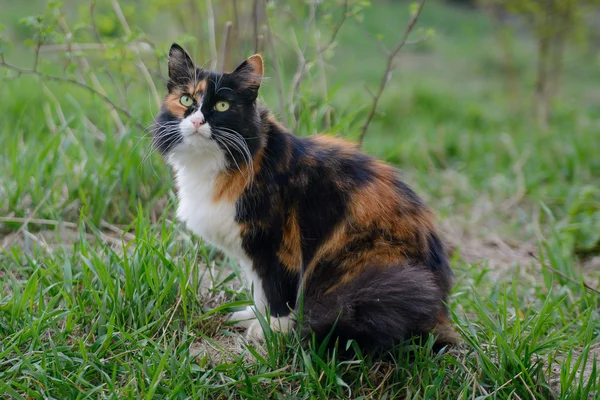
point(370, 216)
point(370, 185)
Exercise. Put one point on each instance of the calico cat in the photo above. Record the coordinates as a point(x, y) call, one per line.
point(309, 218)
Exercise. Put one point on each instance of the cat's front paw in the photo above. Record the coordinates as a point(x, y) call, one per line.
point(243, 318)
point(281, 324)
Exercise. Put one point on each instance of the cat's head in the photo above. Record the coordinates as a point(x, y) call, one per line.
point(208, 114)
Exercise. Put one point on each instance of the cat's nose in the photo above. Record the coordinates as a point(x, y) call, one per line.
point(198, 123)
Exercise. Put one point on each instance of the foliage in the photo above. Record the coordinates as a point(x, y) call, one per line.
point(104, 295)
point(554, 23)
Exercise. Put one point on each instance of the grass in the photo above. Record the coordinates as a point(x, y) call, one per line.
point(105, 295)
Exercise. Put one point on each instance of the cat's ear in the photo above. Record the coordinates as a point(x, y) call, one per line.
point(180, 63)
point(250, 73)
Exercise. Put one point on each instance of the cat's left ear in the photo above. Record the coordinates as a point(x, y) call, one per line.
point(180, 63)
point(250, 73)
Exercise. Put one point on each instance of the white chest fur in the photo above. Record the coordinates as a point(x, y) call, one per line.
point(196, 165)
point(213, 221)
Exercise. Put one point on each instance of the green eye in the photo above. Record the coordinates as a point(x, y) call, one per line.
point(222, 106)
point(186, 100)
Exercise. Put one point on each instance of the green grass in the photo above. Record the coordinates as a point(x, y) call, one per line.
point(104, 295)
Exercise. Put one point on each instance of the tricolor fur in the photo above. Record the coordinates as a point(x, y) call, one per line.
point(307, 217)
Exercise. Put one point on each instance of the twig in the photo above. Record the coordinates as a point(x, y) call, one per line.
point(49, 119)
point(22, 71)
point(533, 397)
point(85, 67)
point(12, 237)
point(38, 221)
point(122, 96)
point(278, 79)
point(62, 118)
point(300, 52)
point(506, 383)
point(212, 35)
point(255, 24)
point(382, 48)
point(48, 48)
point(39, 241)
point(321, 60)
point(575, 281)
point(225, 45)
point(140, 63)
point(101, 136)
point(336, 30)
point(301, 70)
point(36, 56)
point(117, 230)
point(389, 69)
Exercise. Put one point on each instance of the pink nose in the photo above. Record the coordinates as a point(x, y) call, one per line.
point(198, 123)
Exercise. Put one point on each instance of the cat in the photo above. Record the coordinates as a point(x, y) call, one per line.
point(310, 219)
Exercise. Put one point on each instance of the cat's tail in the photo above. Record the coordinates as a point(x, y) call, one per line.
point(380, 308)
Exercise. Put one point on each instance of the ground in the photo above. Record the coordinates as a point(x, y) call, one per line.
point(104, 294)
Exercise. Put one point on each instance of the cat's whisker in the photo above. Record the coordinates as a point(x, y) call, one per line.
point(242, 146)
point(242, 151)
point(240, 141)
point(229, 151)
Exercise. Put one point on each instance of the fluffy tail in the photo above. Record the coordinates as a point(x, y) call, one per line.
point(380, 308)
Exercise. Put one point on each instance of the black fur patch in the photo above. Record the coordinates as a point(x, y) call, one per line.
point(363, 240)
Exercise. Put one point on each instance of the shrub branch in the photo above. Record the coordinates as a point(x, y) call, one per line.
point(391, 55)
point(43, 76)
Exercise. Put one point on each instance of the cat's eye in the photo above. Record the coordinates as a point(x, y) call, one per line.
point(222, 106)
point(186, 100)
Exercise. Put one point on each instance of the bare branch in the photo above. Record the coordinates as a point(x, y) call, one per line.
point(135, 50)
point(381, 46)
point(12, 237)
point(119, 90)
point(236, 21)
point(36, 55)
point(575, 281)
point(271, 41)
point(336, 30)
point(49, 48)
point(389, 69)
point(61, 116)
point(255, 24)
point(417, 41)
point(106, 99)
point(212, 37)
point(300, 53)
point(85, 71)
point(225, 45)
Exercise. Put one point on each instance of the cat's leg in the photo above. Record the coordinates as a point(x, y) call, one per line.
point(247, 316)
point(277, 324)
point(280, 290)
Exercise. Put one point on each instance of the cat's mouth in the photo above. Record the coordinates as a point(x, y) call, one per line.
point(189, 130)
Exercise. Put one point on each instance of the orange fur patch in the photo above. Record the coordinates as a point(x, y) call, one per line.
point(335, 244)
point(256, 62)
point(172, 101)
point(444, 331)
point(173, 104)
point(230, 185)
point(290, 251)
point(328, 141)
point(197, 89)
point(377, 206)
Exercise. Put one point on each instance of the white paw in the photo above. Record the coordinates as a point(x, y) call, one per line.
point(244, 318)
point(283, 324)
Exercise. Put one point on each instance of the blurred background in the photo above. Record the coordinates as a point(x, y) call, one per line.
point(491, 109)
